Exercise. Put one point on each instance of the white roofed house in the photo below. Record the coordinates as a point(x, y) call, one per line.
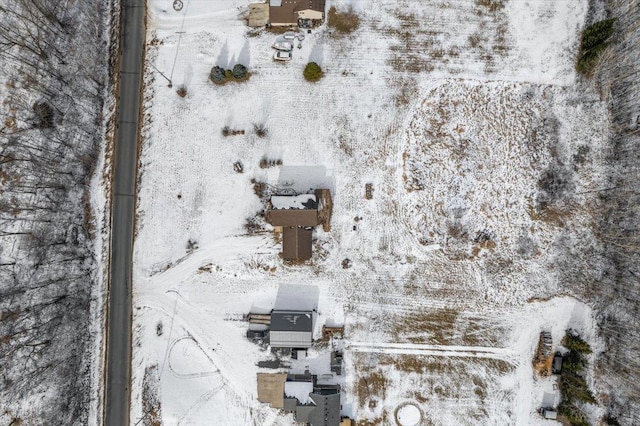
point(300, 390)
point(291, 329)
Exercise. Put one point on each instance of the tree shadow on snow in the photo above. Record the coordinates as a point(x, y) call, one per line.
point(317, 52)
point(223, 56)
point(244, 57)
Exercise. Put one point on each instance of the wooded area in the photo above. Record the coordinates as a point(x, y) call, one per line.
point(54, 67)
point(615, 291)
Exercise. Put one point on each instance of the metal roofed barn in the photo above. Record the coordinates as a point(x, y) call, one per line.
point(291, 329)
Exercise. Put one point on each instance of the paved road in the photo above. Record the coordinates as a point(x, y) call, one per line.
point(118, 378)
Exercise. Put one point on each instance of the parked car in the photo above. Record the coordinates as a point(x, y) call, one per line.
point(282, 55)
point(305, 23)
point(283, 45)
point(556, 367)
point(549, 413)
point(289, 35)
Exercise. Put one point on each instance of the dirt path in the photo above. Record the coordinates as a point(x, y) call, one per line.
point(504, 354)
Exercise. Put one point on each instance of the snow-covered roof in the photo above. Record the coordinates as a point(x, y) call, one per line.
point(300, 390)
point(304, 179)
point(304, 201)
point(297, 297)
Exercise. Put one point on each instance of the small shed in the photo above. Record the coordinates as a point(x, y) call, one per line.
point(291, 329)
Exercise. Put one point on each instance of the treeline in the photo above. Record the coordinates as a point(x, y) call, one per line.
point(619, 317)
point(615, 41)
point(53, 63)
point(574, 389)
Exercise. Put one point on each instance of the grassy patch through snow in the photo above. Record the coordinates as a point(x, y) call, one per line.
point(431, 383)
point(491, 5)
point(150, 397)
point(435, 327)
point(343, 22)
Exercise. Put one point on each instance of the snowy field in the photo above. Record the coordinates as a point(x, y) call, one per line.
point(463, 117)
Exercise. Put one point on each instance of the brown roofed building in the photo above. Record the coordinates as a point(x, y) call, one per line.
point(296, 243)
point(292, 217)
point(296, 216)
point(271, 388)
point(287, 12)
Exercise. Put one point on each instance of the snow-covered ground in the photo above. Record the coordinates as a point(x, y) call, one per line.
point(453, 111)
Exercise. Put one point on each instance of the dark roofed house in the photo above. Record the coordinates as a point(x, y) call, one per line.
point(316, 404)
point(326, 411)
point(291, 329)
point(310, 402)
point(294, 216)
point(296, 243)
point(288, 12)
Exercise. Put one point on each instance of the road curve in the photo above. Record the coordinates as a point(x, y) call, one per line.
point(118, 351)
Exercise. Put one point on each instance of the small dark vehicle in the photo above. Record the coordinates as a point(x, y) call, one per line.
point(556, 367)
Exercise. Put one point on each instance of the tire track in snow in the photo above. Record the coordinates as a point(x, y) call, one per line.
point(504, 354)
point(176, 372)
